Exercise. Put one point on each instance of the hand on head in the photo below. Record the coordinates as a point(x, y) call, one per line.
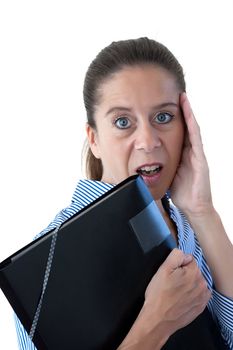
point(190, 189)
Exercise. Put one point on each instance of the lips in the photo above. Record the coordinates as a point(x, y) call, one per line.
point(149, 170)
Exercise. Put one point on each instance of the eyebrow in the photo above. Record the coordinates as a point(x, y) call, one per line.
point(126, 109)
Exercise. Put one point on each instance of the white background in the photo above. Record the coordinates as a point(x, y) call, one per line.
point(45, 50)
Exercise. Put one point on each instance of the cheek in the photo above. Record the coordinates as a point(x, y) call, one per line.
point(113, 153)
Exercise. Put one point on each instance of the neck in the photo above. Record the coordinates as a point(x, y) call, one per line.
point(161, 208)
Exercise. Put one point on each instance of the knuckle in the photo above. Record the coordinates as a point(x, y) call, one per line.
point(203, 285)
point(177, 252)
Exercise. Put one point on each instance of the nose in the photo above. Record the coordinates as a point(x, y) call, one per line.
point(147, 138)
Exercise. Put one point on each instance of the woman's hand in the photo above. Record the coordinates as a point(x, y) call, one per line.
point(190, 189)
point(176, 295)
point(178, 292)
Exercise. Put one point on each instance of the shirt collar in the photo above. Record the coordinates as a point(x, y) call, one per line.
point(88, 190)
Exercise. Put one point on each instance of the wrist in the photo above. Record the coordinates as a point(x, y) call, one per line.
point(201, 213)
point(148, 332)
point(153, 327)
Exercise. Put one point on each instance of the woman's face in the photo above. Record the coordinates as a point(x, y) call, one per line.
point(139, 127)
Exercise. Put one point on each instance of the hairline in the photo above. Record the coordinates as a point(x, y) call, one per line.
point(125, 66)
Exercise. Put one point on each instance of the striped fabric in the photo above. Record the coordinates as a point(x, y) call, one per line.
point(220, 306)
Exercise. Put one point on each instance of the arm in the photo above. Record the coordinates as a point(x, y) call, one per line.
point(192, 194)
point(145, 335)
point(217, 249)
point(190, 191)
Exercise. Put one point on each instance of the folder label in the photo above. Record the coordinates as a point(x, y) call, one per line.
point(149, 227)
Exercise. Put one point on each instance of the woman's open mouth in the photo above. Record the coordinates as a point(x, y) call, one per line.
point(150, 173)
point(149, 170)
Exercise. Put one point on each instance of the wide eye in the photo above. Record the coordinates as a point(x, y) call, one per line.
point(163, 117)
point(122, 123)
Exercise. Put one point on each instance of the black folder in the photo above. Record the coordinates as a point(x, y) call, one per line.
point(104, 258)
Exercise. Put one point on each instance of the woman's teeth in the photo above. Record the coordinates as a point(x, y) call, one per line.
point(149, 170)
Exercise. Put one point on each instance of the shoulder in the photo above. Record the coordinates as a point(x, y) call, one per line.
point(87, 191)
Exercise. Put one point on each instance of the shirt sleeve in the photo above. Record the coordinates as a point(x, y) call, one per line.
point(222, 307)
point(24, 341)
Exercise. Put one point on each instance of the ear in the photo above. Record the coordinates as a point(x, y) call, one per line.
point(93, 140)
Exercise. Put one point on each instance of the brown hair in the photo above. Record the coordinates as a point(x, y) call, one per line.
point(111, 60)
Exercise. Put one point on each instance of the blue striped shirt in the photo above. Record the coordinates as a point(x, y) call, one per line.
point(220, 306)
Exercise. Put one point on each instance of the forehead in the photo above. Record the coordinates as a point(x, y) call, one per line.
point(141, 83)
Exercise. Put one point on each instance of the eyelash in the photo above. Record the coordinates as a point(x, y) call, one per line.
point(171, 116)
point(121, 118)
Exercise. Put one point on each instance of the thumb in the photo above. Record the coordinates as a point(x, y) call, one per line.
point(177, 259)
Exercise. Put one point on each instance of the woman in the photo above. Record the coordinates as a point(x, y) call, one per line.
point(139, 120)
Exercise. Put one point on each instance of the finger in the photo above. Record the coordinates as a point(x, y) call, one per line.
point(193, 129)
point(177, 259)
point(187, 142)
